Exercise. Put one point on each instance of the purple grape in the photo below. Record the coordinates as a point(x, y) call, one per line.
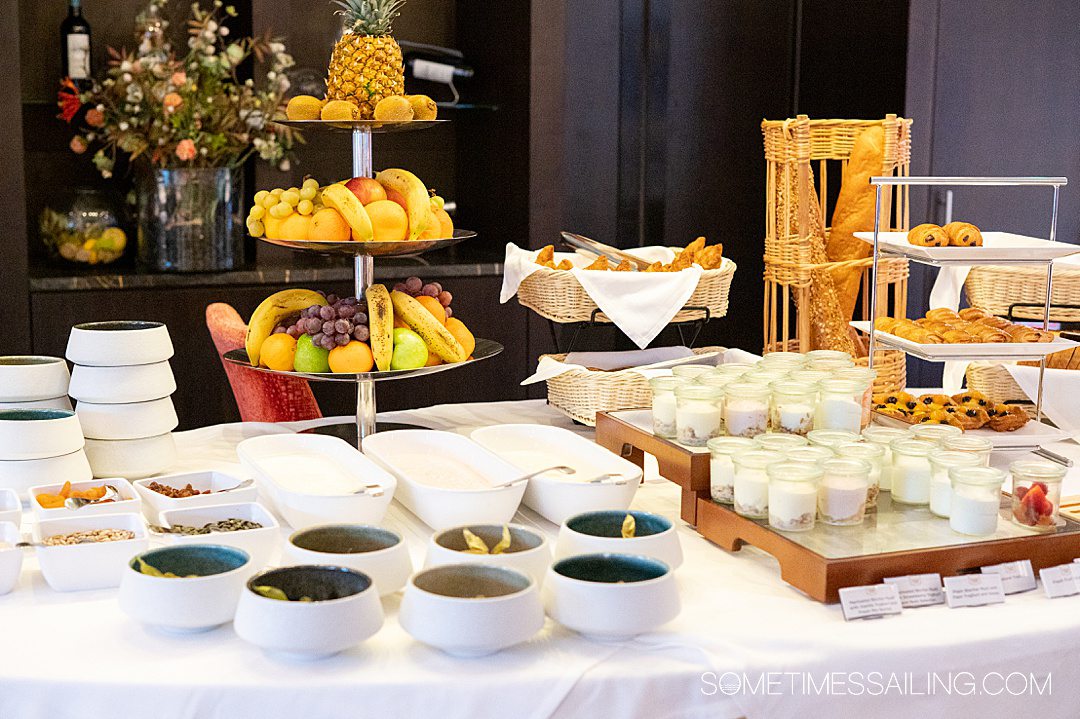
point(321, 292)
point(361, 333)
point(328, 342)
point(351, 301)
point(317, 338)
point(293, 332)
point(449, 311)
point(413, 284)
point(343, 340)
point(445, 298)
point(400, 287)
point(331, 299)
point(278, 330)
point(327, 313)
point(328, 327)
point(437, 285)
point(313, 325)
point(343, 327)
point(346, 311)
point(360, 318)
point(429, 290)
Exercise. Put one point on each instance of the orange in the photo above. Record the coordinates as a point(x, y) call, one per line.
point(296, 226)
point(395, 196)
point(273, 228)
point(432, 231)
point(277, 352)
point(433, 306)
point(352, 358)
point(400, 323)
point(461, 334)
point(446, 225)
point(433, 360)
point(388, 220)
point(328, 225)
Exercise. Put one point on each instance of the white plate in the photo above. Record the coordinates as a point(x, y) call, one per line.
point(1032, 434)
point(969, 351)
point(1001, 247)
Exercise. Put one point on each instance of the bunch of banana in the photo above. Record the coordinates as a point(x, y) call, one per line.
point(435, 335)
point(417, 199)
point(381, 325)
point(342, 199)
point(271, 312)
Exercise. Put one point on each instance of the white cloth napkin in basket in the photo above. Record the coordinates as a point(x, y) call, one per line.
point(638, 303)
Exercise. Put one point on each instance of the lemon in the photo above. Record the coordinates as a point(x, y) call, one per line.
point(112, 239)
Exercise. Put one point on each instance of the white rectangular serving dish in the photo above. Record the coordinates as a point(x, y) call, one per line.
point(313, 479)
point(969, 351)
point(10, 506)
point(99, 565)
point(998, 247)
point(258, 543)
point(556, 496)
point(130, 501)
point(415, 456)
point(1031, 435)
point(154, 503)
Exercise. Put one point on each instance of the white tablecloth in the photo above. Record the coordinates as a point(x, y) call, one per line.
point(76, 655)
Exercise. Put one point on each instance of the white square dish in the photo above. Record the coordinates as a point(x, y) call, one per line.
point(154, 503)
point(129, 501)
point(97, 565)
point(260, 543)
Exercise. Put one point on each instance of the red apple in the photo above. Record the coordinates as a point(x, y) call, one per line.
point(366, 189)
point(395, 196)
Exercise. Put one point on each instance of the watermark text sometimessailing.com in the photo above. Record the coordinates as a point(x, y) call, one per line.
point(873, 683)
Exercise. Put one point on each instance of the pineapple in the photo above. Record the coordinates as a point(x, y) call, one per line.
point(366, 64)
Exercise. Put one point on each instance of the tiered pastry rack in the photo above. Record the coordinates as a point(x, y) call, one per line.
point(1056, 183)
point(363, 254)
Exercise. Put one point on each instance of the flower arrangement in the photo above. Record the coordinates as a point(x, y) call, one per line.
point(170, 111)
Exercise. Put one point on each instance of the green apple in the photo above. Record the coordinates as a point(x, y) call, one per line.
point(410, 351)
point(309, 358)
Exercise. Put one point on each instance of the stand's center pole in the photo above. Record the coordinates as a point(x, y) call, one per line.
point(363, 276)
point(361, 152)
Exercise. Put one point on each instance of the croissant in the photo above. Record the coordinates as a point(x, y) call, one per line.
point(942, 313)
point(992, 321)
point(972, 314)
point(885, 324)
point(988, 334)
point(928, 235)
point(963, 234)
point(1020, 333)
point(957, 337)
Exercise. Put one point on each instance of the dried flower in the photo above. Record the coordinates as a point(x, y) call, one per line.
point(95, 117)
point(178, 78)
point(185, 150)
point(172, 101)
point(78, 144)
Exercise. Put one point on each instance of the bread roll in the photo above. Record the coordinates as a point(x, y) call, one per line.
point(963, 234)
point(927, 235)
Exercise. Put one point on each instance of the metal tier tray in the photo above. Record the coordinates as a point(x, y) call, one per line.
point(999, 248)
point(406, 248)
point(968, 351)
point(484, 350)
point(375, 127)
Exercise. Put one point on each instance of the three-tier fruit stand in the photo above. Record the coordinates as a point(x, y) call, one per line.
point(363, 254)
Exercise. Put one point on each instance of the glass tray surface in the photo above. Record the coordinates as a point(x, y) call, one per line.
point(405, 248)
point(373, 126)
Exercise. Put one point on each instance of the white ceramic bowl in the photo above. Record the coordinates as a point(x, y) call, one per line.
point(97, 565)
point(258, 543)
point(529, 552)
point(312, 479)
point(116, 385)
point(63, 403)
point(135, 420)
point(154, 503)
point(379, 553)
point(29, 378)
point(601, 532)
point(131, 458)
point(11, 557)
point(471, 610)
point(10, 507)
point(38, 433)
point(129, 501)
point(555, 496)
point(422, 458)
point(611, 596)
point(118, 343)
point(21, 475)
point(309, 630)
point(185, 603)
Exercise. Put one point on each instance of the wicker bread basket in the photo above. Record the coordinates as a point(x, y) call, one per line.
point(580, 394)
point(994, 381)
point(996, 289)
point(558, 296)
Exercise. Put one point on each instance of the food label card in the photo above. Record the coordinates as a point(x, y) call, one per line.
point(870, 602)
point(1060, 581)
point(918, 590)
point(1015, 576)
point(974, 590)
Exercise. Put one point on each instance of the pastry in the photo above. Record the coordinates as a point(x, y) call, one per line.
point(600, 263)
point(972, 399)
point(937, 416)
point(935, 401)
point(969, 417)
point(963, 234)
point(983, 333)
point(972, 314)
point(928, 235)
point(545, 255)
point(891, 410)
point(625, 266)
point(1008, 418)
point(942, 314)
point(956, 337)
point(885, 324)
point(992, 321)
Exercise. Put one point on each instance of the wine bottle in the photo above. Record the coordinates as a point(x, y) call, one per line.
point(75, 45)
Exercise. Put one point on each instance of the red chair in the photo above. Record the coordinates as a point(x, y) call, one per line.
point(261, 397)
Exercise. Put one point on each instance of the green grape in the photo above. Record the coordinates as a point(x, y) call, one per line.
point(255, 228)
point(304, 207)
point(308, 193)
point(257, 212)
point(260, 196)
point(269, 201)
point(312, 183)
point(291, 197)
point(281, 210)
point(276, 192)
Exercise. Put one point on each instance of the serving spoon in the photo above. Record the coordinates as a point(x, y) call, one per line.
point(562, 468)
point(111, 495)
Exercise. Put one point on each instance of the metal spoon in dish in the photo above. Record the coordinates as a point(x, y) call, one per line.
point(243, 485)
point(562, 468)
point(111, 495)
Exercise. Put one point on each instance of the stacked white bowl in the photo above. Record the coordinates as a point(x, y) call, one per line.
point(40, 439)
point(123, 386)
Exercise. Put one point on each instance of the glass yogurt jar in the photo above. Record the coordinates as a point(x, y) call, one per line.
point(940, 481)
point(788, 360)
point(867, 376)
point(663, 405)
point(979, 446)
point(911, 470)
point(746, 409)
point(831, 439)
point(936, 433)
point(793, 491)
point(1036, 494)
point(690, 371)
point(775, 442)
point(697, 413)
point(875, 455)
point(840, 405)
point(792, 409)
point(752, 482)
point(722, 450)
point(976, 499)
point(842, 491)
point(882, 437)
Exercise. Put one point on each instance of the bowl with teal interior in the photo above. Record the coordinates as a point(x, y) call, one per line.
point(529, 550)
point(32, 378)
point(308, 611)
point(592, 532)
point(118, 343)
point(611, 596)
point(379, 553)
point(471, 610)
point(38, 433)
point(184, 588)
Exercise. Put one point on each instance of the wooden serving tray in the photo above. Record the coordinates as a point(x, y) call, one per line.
point(893, 541)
